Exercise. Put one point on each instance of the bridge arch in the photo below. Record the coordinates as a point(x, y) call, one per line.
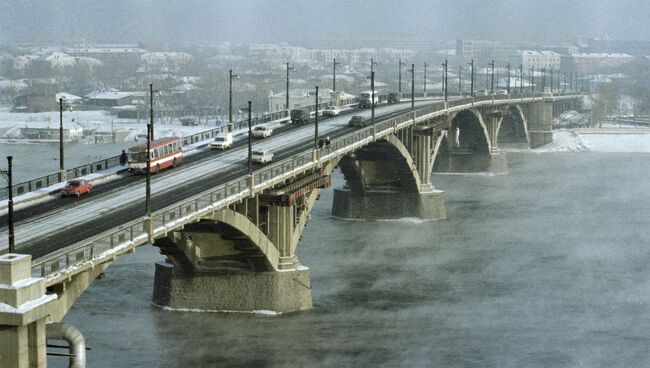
point(468, 133)
point(512, 130)
point(386, 163)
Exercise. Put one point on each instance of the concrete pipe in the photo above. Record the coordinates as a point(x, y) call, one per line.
point(76, 342)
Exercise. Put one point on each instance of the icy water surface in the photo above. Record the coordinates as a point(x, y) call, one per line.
point(544, 267)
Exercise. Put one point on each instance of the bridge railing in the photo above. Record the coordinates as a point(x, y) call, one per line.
point(131, 234)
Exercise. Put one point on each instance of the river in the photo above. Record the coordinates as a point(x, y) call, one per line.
point(546, 266)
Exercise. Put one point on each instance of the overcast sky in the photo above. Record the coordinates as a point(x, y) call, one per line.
point(300, 21)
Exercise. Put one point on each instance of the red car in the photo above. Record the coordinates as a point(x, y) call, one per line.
point(76, 187)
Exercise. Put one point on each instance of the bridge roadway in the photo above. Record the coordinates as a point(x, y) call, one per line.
point(51, 227)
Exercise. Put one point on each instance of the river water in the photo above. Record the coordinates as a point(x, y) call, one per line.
point(546, 266)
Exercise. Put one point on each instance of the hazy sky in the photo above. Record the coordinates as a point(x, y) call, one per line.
point(297, 21)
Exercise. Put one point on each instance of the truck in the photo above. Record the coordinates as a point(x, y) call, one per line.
point(366, 99)
point(393, 97)
point(299, 116)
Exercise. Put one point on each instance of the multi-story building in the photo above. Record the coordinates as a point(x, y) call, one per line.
point(482, 51)
point(540, 59)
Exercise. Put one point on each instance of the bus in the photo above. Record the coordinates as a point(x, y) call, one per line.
point(165, 152)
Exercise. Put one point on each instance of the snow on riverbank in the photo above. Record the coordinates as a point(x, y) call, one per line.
point(570, 140)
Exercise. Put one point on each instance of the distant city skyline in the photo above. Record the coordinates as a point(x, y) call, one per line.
point(305, 23)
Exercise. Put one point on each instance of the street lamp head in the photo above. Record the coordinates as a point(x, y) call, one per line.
point(234, 76)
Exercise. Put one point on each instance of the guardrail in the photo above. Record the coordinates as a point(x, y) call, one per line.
point(126, 237)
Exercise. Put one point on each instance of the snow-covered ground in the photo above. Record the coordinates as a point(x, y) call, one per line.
point(594, 140)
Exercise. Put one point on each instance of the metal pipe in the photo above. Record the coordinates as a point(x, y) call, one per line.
point(76, 341)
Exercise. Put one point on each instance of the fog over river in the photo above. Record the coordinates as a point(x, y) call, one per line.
point(546, 266)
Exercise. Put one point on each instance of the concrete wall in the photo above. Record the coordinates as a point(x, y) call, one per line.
point(378, 205)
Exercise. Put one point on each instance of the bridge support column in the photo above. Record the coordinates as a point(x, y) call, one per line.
point(25, 307)
point(540, 124)
point(279, 292)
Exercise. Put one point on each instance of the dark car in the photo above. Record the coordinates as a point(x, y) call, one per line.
point(358, 121)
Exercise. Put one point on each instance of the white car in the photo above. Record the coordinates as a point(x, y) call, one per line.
point(262, 156)
point(262, 131)
point(221, 141)
point(331, 111)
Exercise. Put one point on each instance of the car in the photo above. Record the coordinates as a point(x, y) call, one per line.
point(393, 97)
point(482, 92)
point(331, 111)
point(76, 187)
point(262, 156)
point(502, 92)
point(300, 116)
point(221, 141)
point(262, 131)
point(358, 121)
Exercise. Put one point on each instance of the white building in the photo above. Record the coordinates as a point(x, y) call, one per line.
point(540, 59)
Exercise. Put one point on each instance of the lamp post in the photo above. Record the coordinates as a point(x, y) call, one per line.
point(425, 78)
point(558, 80)
point(460, 80)
point(231, 76)
point(250, 136)
point(10, 208)
point(543, 79)
point(334, 64)
point(62, 174)
point(491, 64)
point(412, 86)
point(552, 84)
point(532, 79)
point(316, 122)
point(149, 139)
point(444, 79)
point(508, 82)
point(471, 81)
point(521, 79)
point(289, 67)
point(372, 99)
point(400, 64)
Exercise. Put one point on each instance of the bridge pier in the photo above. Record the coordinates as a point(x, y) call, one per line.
point(24, 308)
point(240, 259)
point(428, 204)
point(276, 291)
point(540, 123)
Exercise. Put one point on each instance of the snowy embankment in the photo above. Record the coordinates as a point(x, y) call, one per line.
point(595, 140)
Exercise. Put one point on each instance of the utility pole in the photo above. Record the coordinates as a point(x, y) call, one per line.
point(471, 82)
point(250, 138)
point(508, 83)
point(444, 79)
point(521, 79)
point(492, 79)
point(10, 209)
point(399, 77)
point(62, 173)
point(532, 79)
point(425, 78)
point(460, 80)
point(149, 140)
point(543, 79)
point(412, 86)
point(372, 97)
point(151, 109)
point(289, 67)
point(334, 63)
point(316, 122)
point(231, 76)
